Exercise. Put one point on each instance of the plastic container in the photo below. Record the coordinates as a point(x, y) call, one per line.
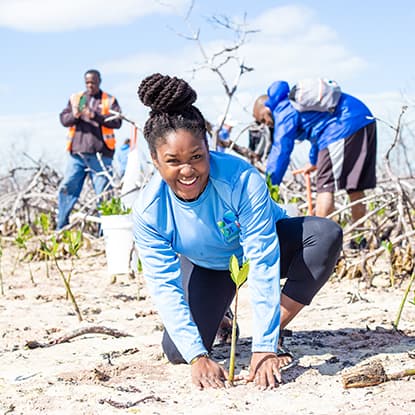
point(118, 237)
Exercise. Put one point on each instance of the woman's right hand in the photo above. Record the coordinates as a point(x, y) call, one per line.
point(208, 374)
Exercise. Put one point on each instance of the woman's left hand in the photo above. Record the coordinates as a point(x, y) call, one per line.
point(265, 369)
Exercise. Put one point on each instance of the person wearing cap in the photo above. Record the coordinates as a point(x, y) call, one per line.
point(343, 145)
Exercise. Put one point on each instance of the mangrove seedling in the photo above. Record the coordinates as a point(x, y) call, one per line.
point(73, 240)
point(113, 206)
point(239, 276)
point(404, 298)
point(43, 222)
point(24, 233)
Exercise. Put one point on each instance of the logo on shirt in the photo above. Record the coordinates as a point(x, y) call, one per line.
point(229, 226)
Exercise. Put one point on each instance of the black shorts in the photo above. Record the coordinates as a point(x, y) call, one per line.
point(349, 163)
point(309, 248)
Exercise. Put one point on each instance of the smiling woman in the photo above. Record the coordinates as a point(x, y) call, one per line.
point(202, 208)
point(183, 162)
point(178, 145)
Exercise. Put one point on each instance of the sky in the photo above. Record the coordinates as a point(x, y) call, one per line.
point(47, 45)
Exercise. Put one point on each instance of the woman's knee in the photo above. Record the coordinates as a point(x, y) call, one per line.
point(171, 351)
point(326, 230)
point(334, 233)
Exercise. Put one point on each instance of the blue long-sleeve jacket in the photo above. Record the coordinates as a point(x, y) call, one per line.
point(233, 215)
point(320, 128)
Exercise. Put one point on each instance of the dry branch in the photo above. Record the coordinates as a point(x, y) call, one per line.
point(33, 344)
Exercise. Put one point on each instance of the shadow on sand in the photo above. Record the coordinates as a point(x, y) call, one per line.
point(334, 350)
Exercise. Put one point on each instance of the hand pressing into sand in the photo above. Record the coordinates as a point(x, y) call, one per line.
point(206, 373)
point(265, 369)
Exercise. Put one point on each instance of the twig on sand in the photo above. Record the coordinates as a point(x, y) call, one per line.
point(33, 344)
point(126, 405)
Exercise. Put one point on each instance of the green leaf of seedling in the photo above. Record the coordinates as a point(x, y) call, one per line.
point(388, 246)
point(274, 189)
point(44, 222)
point(234, 268)
point(113, 206)
point(243, 274)
point(49, 248)
point(24, 233)
point(238, 275)
point(73, 240)
point(381, 212)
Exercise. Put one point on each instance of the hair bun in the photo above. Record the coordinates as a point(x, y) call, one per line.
point(163, 93)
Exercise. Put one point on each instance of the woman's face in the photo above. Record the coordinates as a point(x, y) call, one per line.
point(183, 163)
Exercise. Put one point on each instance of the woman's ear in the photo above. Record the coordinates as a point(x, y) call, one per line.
point(155, 161)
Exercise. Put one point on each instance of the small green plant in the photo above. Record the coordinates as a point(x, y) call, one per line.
point(113, 206)
point(72, 241)
point(43, 222)
point(24, 233)
point(371, 206)
point(404, 298)
point(274, 190)
point(239, 276)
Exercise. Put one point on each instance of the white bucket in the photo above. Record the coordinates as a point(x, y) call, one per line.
point(118, 237)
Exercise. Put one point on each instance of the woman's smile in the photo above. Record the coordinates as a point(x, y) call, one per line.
point(183, 162)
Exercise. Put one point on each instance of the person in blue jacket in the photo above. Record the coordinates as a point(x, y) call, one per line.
point(343, 145)
point(200, 208)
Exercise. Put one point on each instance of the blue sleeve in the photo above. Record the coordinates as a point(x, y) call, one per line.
point(313, 154)
point(161, 268)
point(285, 133)
point(260, 245)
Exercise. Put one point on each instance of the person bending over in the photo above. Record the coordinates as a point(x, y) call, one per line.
point(343, 145)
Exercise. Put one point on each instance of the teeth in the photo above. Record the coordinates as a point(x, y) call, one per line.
point(188, 182)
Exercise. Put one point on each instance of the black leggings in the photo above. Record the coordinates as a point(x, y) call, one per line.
point(309, 248)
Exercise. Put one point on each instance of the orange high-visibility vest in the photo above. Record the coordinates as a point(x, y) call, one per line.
point(107, 133)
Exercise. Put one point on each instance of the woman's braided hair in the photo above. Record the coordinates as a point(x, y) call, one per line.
point(170, 100)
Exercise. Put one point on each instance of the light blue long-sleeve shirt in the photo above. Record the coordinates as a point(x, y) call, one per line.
point(233, 215)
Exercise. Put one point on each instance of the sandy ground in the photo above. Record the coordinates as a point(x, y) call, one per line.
point(346, 326)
